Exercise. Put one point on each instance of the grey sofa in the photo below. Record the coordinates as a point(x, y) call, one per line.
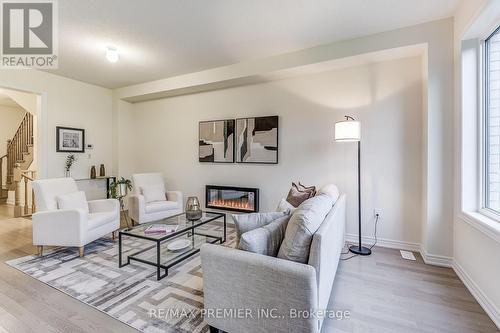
point(248, 292)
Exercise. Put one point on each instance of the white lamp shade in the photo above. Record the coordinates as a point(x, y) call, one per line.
point(348, 130)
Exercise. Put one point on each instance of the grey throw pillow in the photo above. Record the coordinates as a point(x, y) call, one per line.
point(304, 222)
point(265, 240)
point(247, 222)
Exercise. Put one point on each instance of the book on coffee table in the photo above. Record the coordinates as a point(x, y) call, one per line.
point(156, 229)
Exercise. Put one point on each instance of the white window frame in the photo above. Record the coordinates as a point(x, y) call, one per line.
point(483, 130)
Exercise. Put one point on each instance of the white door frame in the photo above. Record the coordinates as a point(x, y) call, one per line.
point(42, 138)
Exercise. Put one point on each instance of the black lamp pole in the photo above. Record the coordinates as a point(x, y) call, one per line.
point(359, 249)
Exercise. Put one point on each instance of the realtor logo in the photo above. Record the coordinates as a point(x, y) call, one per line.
point(28, 34)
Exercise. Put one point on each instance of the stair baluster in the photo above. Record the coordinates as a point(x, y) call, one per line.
point(19, 148)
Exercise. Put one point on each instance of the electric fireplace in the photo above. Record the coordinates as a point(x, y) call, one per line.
point(236, 199)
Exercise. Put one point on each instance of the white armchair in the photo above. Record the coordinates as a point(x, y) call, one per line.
point(70, 227)
point(141, 210)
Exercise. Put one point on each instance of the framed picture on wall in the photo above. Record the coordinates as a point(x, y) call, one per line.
point(70, 140)
point(257, 140)
point(216, 141)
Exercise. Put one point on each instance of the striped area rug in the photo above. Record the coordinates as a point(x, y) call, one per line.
point(130, 294)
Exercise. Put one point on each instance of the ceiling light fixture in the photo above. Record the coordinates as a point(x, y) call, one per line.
point(112, 54)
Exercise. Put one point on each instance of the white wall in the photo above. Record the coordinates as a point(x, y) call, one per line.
point(26, 101)
point(437, 209)
point(10, 118)
point(66, 102)
point(477, 242)
point(387, 98)
point(126, 139)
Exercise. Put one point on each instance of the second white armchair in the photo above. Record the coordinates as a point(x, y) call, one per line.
point(150, 201)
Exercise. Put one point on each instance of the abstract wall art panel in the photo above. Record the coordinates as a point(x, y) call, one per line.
point(257, 140)
point(216, 141)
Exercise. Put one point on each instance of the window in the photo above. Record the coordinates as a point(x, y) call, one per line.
point(491, 139)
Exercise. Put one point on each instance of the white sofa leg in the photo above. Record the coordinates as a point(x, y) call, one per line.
point(40, 250)
point(114, 234)
point(81, 250)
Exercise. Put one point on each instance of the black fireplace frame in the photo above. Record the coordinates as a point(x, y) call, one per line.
point(255, 191)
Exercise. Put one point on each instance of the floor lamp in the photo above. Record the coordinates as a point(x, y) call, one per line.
point(349, 130)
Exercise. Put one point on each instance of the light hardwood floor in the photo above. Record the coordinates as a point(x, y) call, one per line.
point(27, 305)
point(387, 294)
point(382, 292)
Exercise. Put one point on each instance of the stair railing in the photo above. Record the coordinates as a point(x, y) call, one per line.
point(19, 145)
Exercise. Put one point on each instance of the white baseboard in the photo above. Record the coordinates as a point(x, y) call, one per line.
point(432, 259)
point(483, 300)
point(429, 259)
point(384, 242)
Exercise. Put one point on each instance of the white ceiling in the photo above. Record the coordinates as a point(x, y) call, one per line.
point(162, 38)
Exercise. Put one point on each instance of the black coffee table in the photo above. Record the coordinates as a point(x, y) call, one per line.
point(157, 254)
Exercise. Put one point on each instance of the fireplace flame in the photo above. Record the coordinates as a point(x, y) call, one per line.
point(232, 203)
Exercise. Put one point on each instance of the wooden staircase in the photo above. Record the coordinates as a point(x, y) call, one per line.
point(19, 156)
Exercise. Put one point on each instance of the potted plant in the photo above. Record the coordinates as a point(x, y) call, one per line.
point(120, 188)
point(70, 160)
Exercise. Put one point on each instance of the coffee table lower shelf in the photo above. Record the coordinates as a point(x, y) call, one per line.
point(157, 255)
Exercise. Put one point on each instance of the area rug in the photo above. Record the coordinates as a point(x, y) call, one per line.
point(130, 294)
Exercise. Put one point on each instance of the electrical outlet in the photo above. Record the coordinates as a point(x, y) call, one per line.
point(377, 212)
